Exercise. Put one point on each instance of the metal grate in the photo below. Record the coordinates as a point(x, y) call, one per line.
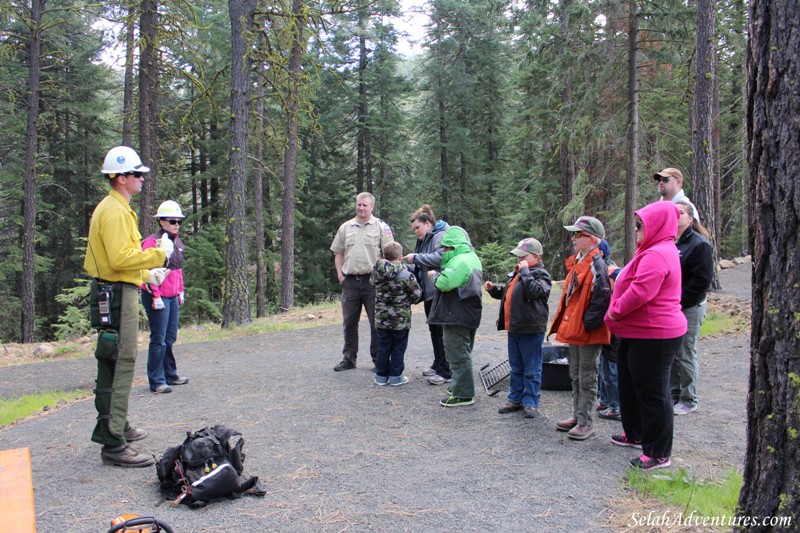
point(491, 377)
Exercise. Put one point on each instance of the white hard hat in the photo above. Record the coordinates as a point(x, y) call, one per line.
point(169, 209)
point(122, 159)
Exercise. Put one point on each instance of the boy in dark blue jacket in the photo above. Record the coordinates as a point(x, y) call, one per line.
point(523, 313)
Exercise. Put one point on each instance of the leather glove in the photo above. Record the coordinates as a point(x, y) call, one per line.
point(157, 275)
point(166, 244)
point(181, 299)
point(158, 304)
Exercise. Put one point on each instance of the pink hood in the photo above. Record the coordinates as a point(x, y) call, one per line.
point(646, 302)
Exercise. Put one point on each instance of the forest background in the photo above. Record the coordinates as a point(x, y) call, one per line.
point(263, 120)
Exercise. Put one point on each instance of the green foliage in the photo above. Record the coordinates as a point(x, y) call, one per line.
point(691, 495)
point(203, 273)
point(496, 261)
point(74, 320)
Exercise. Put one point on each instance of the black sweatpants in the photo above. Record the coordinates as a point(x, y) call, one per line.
point(643, 371)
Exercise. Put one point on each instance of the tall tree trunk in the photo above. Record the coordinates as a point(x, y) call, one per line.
point(566, 158)
point(771, 470)
point(236, 298)
point(29, 187)
point(462, 121)
point(631, 181)
point(148, 111)
point(363, 172)
point(706, 184)
point(290, 156)
point(258, 190)
point(127, 98)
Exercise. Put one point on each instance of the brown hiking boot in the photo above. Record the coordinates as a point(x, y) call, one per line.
point(531, 412)
point(509, 407)
point(580, 432)
point(133, 434)
point(125, 456)
point(566, 425)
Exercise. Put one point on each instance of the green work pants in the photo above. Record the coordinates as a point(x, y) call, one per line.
point(114, 377)
point(458, 343)
point(583, 373)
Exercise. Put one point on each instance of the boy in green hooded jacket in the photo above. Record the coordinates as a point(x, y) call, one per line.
point(457, 308)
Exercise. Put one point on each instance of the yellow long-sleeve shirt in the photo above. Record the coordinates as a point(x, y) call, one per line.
point(114, 251)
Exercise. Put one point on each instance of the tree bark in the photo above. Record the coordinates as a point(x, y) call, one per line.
point(258, 192)
point(148, 111)
point(772, 462)
point(236, 298)
point(29, 186)
point(631, 181)
point(363, 170)
point(290, 156)
point(127, 98)
point(566, 158)
point(706, 182)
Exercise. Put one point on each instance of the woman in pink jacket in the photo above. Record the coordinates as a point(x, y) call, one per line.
point(162, 304)
point(645, 313)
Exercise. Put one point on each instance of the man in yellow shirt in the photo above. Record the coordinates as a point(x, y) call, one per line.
point(115, 259)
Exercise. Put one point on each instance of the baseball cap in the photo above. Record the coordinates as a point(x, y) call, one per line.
point(669, 173)
point(590, 225)
point(527, 246)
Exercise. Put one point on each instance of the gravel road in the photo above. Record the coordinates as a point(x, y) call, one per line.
point(337, 453)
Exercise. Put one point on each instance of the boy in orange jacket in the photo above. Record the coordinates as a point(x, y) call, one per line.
point(579, 321)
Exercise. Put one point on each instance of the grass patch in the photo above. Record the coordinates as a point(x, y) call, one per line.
point(681, 489)
point(721, 324)
point(13, 409)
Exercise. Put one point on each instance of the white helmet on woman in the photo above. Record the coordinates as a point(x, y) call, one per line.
point(169, 209)
point(121, 160)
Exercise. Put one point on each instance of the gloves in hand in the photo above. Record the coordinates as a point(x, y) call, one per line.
point(157, 275)
point(166, 244)
point(181, 299)
point(158, 304)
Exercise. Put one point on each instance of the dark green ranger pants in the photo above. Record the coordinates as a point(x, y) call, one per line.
point(115, 374)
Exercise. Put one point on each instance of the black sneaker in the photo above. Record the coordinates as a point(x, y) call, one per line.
point(344, 365)
point(650, 463)
point(610, 413)
point(133, 434)
point(125, 456)
point(623, 440)
point(452, 401)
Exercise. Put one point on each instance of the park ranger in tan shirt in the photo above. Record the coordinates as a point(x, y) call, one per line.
point(356, 247)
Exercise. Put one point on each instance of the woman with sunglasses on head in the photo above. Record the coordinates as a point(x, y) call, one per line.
point(645, 313)
point(162, 304)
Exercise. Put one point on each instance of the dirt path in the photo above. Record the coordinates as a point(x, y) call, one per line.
point(336, 452)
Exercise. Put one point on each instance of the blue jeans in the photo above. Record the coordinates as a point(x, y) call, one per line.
point(161, 368)
point(392, 345)
point(525, 360)
point(607, 389)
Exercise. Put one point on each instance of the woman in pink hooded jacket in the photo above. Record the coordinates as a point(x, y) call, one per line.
point(645, 313)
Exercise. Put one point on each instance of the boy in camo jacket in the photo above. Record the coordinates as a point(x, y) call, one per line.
point(396, 289)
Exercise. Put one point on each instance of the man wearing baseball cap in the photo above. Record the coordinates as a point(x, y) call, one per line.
point(579, 321)
point(670, 187)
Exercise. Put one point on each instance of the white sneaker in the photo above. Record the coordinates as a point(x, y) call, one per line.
point(683, 409)
point(436, 379)
point(429, 372)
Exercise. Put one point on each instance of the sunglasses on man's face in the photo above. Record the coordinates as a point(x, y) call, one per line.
point(639, 226)
point(173, 221)
point(579, 234)
point(663, 179)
